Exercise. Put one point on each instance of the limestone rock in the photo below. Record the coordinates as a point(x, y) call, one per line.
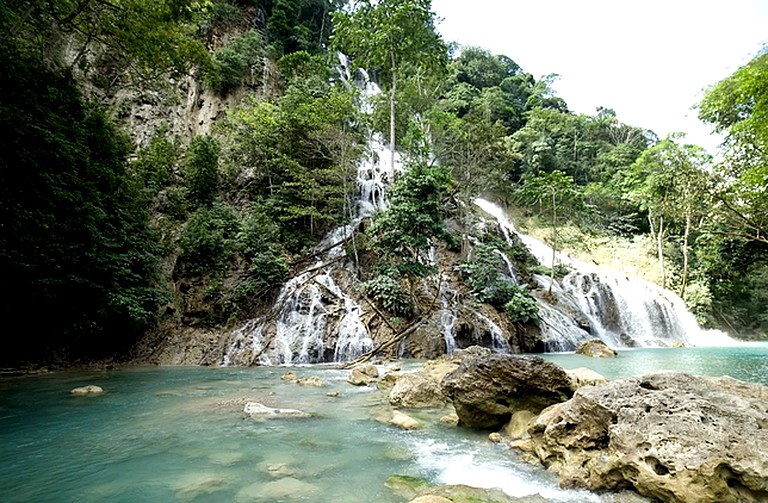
point(388, 381)
point(460, 493)
point(404, 421)
point(91, 389)
point(518, 424)
point(363, 375)
point(315, 381)
point(671, 436)
point(486, 391)
point(405, 486)
point(417, 391)
point(288, 488)
point(261, 411)
point(583, 376)
point(428, 498)
point(450, 419)
point(595, 348)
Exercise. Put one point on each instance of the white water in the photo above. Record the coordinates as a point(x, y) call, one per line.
point(311, 306)
point(619, 309)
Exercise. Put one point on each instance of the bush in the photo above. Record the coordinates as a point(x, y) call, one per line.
point(388, 292)
point(209, 241)
point(521, 308)
point(202, 170)
point(154, 164)
point(258, 241)
point(233, 65)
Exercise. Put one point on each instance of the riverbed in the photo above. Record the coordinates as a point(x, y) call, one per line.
point(179, 434)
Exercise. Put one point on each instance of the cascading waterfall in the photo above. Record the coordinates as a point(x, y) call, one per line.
point(621, 310)
point(311, 305)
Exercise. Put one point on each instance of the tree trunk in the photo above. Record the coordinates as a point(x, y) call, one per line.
point(392, 113)
point(660, 249)
point(684, 281)
point(554, 240)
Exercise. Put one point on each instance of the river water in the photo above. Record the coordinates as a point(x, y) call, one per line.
point(179, 435)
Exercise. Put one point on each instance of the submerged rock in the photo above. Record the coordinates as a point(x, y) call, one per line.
point(486, 391)
point(596, 348)
point(669, 435)
point(404, 421)
point(91, 389)
point(258, 410)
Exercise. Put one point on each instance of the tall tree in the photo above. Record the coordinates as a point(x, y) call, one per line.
point(738, 107)
point(386, 35)
point(557, 197)
point(668, 180)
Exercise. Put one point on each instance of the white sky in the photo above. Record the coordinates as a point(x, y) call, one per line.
point(649, 60)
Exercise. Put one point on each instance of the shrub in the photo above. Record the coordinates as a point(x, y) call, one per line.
point(209, 239)
point(389, 293)
point(202, 170)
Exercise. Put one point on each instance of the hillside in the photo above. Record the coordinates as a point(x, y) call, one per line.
point(170, 166)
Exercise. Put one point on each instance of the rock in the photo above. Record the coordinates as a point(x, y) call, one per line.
point(191, 486)
point(428, 498)
point(333, 394)
point(518, 424)
point(470, 353)
point(90, 389)
point(404, 421)
point(369, 370)
point(495, 437)
point(360, 376)
point(450, 419)
point(261, 411)
point(388, 381)
point(417, 391)
point(671, 436)
point(583, 376)
point(278, 470)
point(437, 369)
point(285, 489)
point(595, 348)
point(486, 391)
point(315, 381)
point(460, 493)
point(678, 344)
point(405, 486)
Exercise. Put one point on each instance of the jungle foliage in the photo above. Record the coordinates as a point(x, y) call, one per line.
point(109, 237)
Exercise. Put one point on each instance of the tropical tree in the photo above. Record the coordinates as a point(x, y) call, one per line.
point(388, 36)
point(668, 181)
point(557, 197)
point(738, 107)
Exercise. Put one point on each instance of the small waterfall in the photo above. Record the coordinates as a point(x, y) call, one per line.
point(621, 310)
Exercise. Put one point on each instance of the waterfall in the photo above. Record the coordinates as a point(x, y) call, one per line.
point(621, 310)
point(311, 306)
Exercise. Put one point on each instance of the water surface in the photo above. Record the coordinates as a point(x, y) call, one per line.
point(179, 435)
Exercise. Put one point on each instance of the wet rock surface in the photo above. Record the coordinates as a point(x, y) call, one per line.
point(596, 348)
point(669, 435)
point(487, 390)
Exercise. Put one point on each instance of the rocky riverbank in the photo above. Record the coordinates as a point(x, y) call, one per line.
point(668, 436)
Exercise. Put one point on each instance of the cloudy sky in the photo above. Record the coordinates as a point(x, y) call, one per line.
point(649, 60)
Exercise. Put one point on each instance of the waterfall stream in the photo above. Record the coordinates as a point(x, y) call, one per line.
point(590, 301)
point(315, 319)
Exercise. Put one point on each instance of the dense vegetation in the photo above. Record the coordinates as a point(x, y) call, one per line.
point(105, 237)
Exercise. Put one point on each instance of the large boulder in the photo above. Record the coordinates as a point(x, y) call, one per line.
point(596, 348)
point(486, 391)
point(669, 435)
point(417, 391)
